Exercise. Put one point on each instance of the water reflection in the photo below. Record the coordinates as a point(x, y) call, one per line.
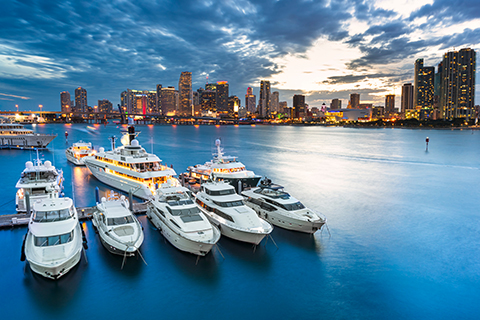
point(258, 256)
point(305, 241)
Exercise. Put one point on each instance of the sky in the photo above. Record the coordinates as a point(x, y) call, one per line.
point(323, 49)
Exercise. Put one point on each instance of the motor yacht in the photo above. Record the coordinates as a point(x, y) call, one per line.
point(16, 136)
point(181, 221)
point(221, 168)
point(76, 153)
point(278, 207)
point(119, 230)
point(129, 167)
point(53, 244)
point(39, 180)
point(226, 210)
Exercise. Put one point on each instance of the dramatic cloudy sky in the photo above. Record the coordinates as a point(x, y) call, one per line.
point(325, 49)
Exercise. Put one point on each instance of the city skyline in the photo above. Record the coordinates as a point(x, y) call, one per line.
point(317, 49)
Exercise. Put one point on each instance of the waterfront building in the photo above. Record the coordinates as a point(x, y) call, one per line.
point(105, 106)
point(138, 101)
point(222, 97)
point(378, 112)
point(209, 102)
point(345, 115)
point(365, 106)
point(65, 102)
point(170, 99)
point(81, 104)
point(158, 106)
point(407, 97)
point(250, 101)
point(274, 102)
point(354, 101)
point(389, 104)
point(423, 85)
point(299, 106)
point(336, 104)
point(185, 94)
point(233, 105)
point(264, 100)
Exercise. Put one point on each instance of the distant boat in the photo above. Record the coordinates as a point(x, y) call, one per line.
point(78, 151)
point(15, 136)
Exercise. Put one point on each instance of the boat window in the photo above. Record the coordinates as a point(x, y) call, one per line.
point(36, 191)
point(119, 221)
point(293, 206)
point(229, 203)
point(52, 216)
point(53, 240)
point(184, 211)
point(220, 192)
point(179, 202)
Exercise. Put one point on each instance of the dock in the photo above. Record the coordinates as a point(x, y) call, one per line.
point(84, 213)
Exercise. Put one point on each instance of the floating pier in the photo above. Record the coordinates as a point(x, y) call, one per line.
point(84, 213)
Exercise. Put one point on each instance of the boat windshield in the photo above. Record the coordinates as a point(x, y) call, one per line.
point(179, 202)
point(293, 206)
point(186, 214)
point(229, 203)
point(53, 240)
point(220, 192)
point(39, 175)
point(52, 216)
point(119, 221)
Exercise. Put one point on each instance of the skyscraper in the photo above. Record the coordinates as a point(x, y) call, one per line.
point(250, 101)
point(264, 100)
point(222, 96)
point(299, 106)
point(104, 106)
point(389, 104)
point(81, 100)
point(185, 93)
point(336, 104)
point(354, 100)
point(209, 101)
point(407, 97)
point(158, 107)
point(274, 100)
point(424, 86)
point(170, 98)
point(65, 102)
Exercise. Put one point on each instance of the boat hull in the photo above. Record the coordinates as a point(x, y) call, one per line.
point(57, 271)
point(35, 140)
point(75, 161)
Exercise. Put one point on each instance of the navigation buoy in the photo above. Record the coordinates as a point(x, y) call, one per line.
point(426, 142)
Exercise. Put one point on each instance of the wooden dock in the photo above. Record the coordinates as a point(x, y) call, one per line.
point(84, 213)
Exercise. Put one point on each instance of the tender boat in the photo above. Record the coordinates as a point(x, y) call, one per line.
point(180, 220)
point(281, 209)
point(129, 167)
point(226, 209)
point(119, 230)
point(14, 135)
point(39, 180)
point(220, 168)
point(53, 244)
point(76, 153)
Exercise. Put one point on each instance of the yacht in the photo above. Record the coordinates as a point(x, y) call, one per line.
point(39, 180)
point(53, 244)
point(226, 209)
point(129, 168)
point(118, 228)
point(76, 153)
point(281, 209)
point(221, 168)
point(180, 220)
point(15, 136)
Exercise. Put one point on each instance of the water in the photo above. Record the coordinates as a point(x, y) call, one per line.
point(404, 231)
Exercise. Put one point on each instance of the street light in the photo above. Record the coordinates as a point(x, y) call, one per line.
point(16, 106)
point(40, 106)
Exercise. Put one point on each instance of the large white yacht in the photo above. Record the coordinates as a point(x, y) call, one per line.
point(39, 180)
point(78, 151)
point(118, 228)
point(180, 220)
point(222, 168)
point(14, 135)
point(129, 167)
point(53, 244)
point(226, 209)
point(281, 209)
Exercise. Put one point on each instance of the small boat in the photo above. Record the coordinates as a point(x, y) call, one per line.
point(281, 209)
point(226, 210)
point(78, 151)
point(119, 230)
point(180, 220)
point(53, 245)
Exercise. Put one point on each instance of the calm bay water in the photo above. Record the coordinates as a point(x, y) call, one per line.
point(404, 223)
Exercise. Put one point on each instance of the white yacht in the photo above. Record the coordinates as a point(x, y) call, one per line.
point(226, 209)
point(221, 168)
point(14, 135)
point(53, 244)
point(118, 228)
point(281, 209)
point(129, 167)
point(181, 222)
point(78, 151)
point(39, 180)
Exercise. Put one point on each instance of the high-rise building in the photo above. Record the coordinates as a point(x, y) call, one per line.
point(407, 97)
point(209, 101)
point(264, 100)
point(222, 96)
point(158, 106)
point(250, 101)
point(389, 104)
point(65, 102)
point(423, 85)
point(81, 104)
point(138, 101)
point(104, 106)
point(336, 104)
point(170, 99)
point(354, 100)
point(457, 91)
point(234, 105)
point(185, 94)
point(274, 101)
point(299, 106)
